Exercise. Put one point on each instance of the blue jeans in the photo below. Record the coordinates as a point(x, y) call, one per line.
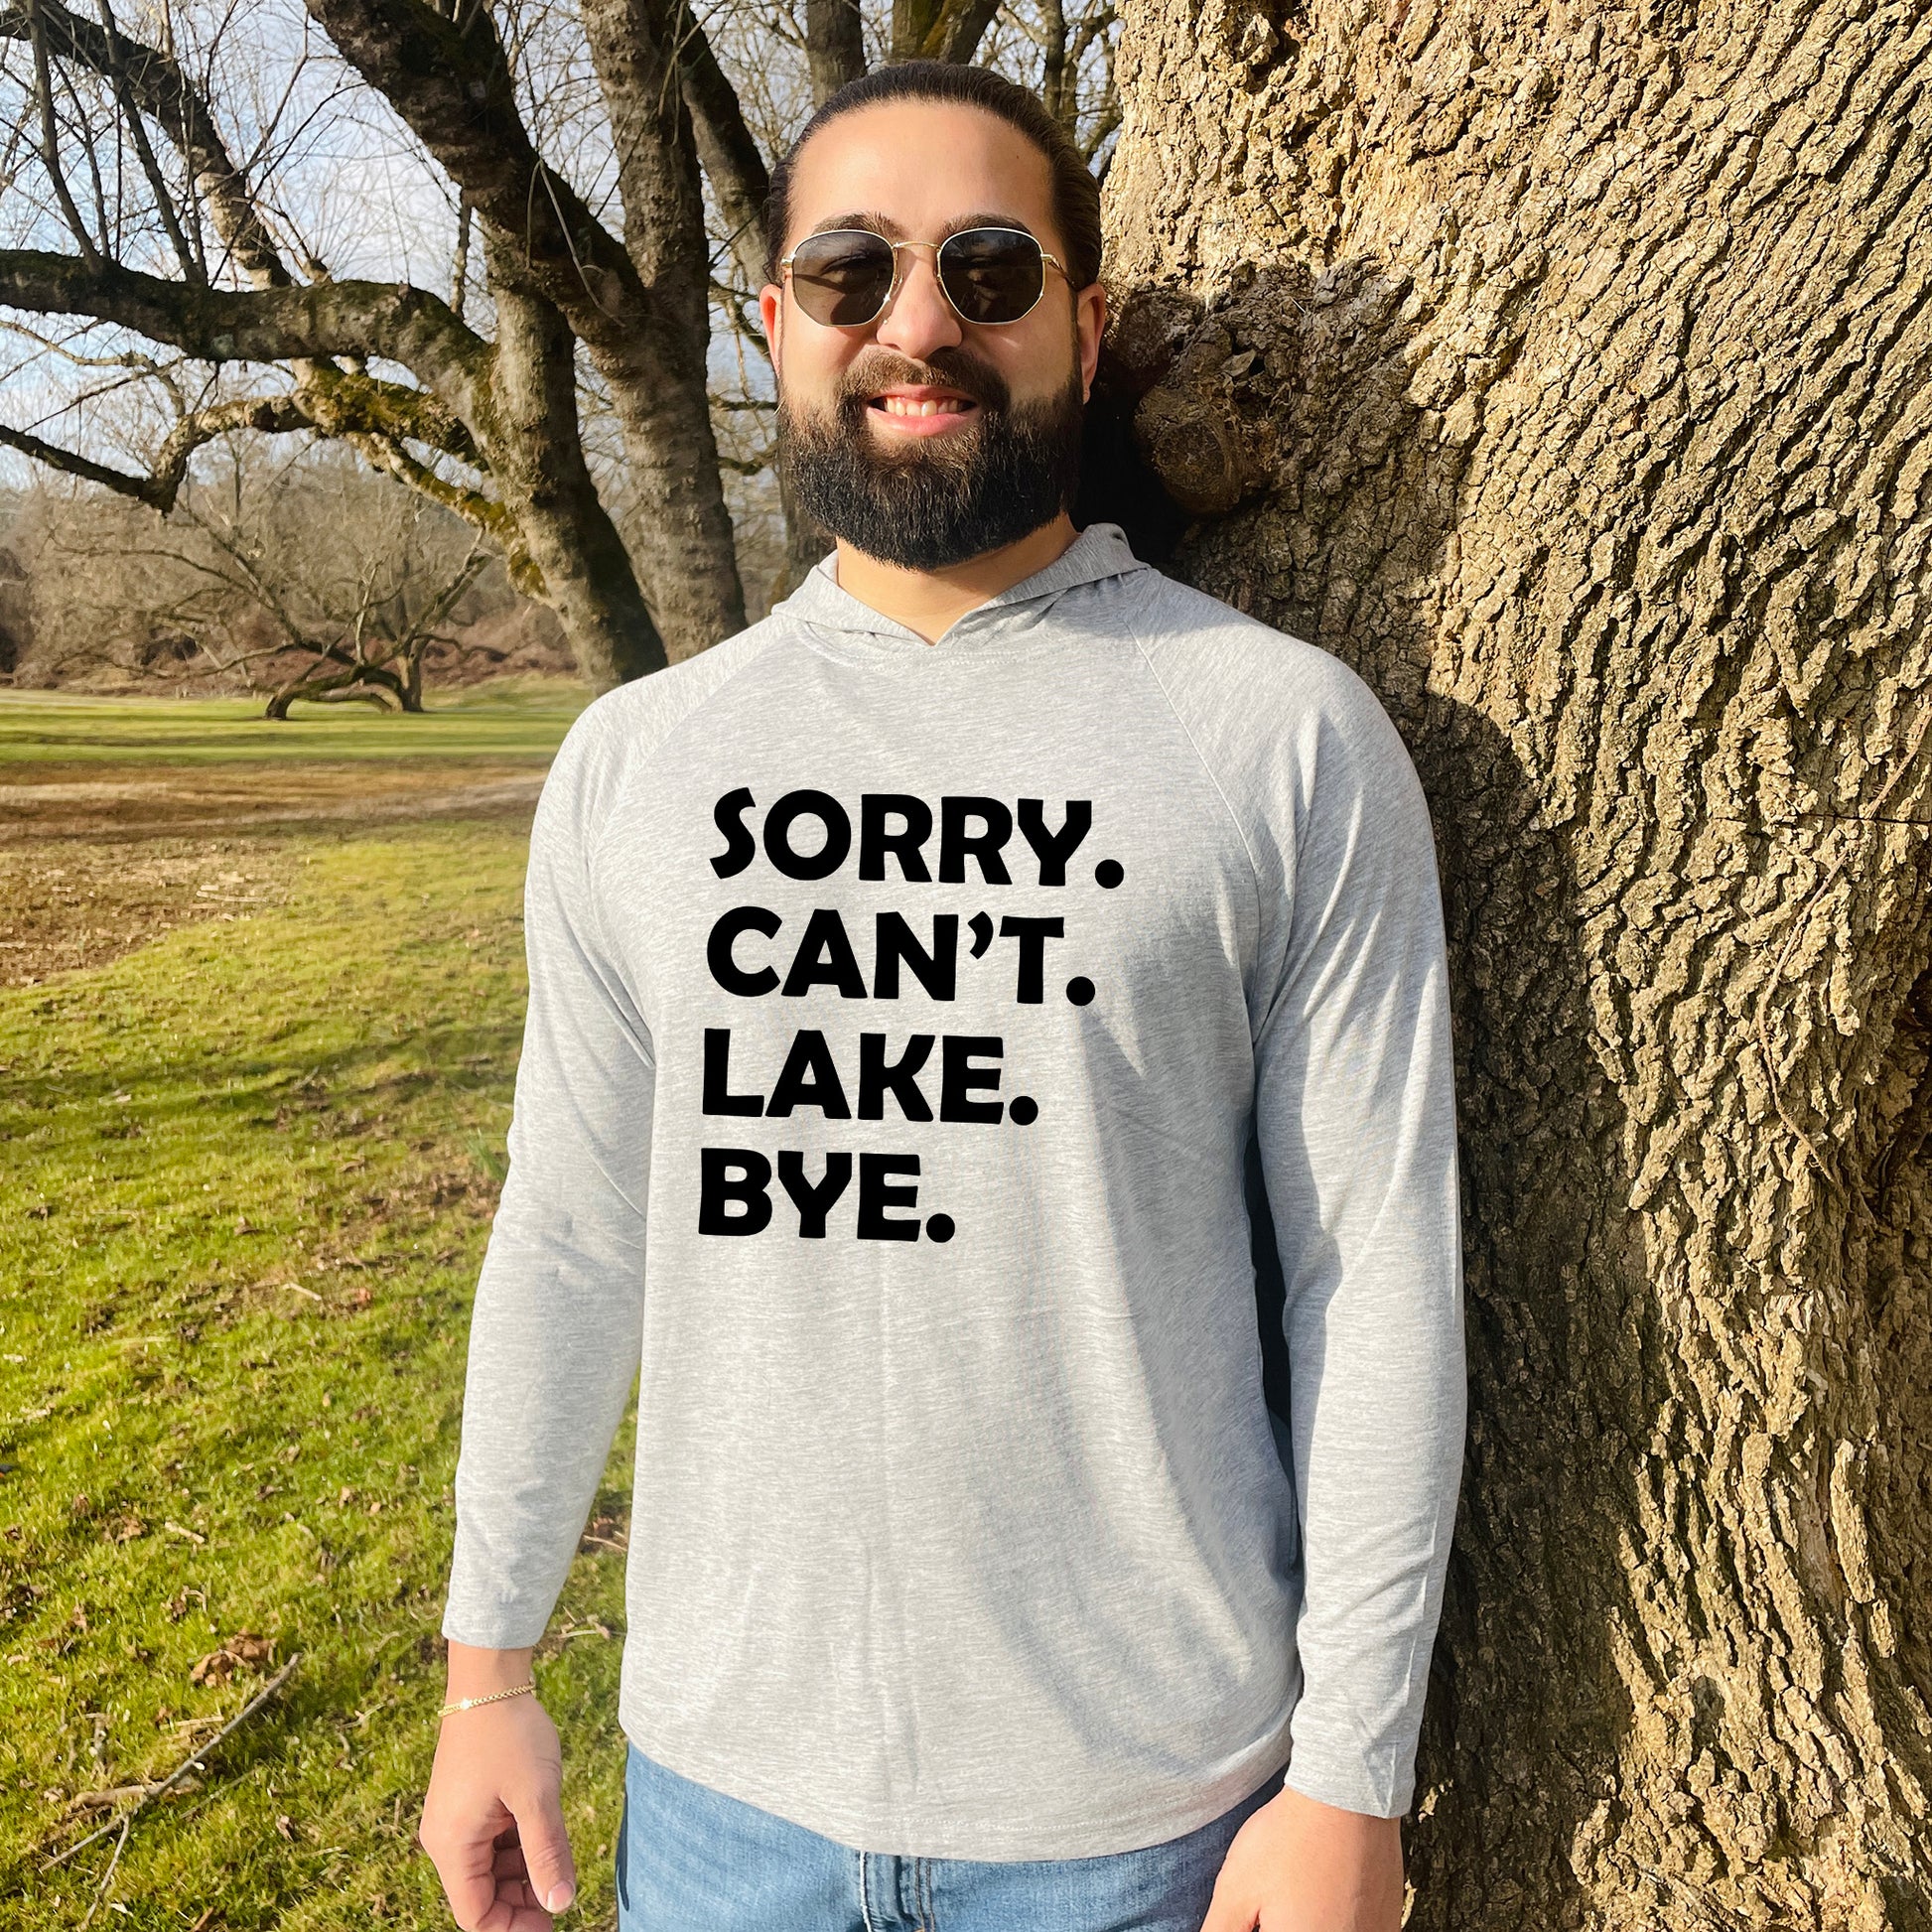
point(692, 1859)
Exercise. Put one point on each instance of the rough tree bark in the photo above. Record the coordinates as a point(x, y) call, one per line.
point(835, 44)
point(1567, 371)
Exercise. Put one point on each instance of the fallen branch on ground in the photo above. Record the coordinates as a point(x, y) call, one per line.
point(195, 1761)
point(108, 1799)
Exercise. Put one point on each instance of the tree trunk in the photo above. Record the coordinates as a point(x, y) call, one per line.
point(1564, 370)
point(683, 534)
point(834, 44)
point(452, 83)
point(537, 453)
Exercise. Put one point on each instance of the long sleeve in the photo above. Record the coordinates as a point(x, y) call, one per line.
point(1356, 1123)
point(556, 1331)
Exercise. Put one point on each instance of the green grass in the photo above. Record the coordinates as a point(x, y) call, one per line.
point(308, 1098)
point(509, 720)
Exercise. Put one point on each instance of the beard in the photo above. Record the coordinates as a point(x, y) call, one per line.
point(935, 500)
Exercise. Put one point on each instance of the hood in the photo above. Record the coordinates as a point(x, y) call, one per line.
point(1098, 555)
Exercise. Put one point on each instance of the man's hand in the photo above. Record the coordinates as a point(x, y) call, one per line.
point(1300, 1866)
point(493, 1818)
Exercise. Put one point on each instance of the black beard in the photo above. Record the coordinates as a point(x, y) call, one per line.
point(940, 499)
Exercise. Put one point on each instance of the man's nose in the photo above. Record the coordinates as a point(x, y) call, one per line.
point(920, 319)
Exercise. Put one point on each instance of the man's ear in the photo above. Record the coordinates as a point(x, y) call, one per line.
point(771, 313)
point(1090, 321)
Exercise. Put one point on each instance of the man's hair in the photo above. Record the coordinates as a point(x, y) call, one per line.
point(1076, 195)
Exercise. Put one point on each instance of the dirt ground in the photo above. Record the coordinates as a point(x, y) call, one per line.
point(74, 903)
point(96, 859)
point(50, 801)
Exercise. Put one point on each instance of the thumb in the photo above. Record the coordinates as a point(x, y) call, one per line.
point(546, 1847)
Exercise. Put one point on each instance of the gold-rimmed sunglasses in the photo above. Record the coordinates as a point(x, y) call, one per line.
point(845, 277)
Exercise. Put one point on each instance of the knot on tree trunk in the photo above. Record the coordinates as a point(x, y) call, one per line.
point(1236, 396)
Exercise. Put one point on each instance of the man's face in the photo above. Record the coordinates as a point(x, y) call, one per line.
point(864, 447)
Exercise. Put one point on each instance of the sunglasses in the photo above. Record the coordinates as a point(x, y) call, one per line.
point(845, 277)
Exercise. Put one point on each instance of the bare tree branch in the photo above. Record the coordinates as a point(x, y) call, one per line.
point(106, 228)
point(388, 320)
point(157, 85)
point(482, 513)
point(351, 402)
point(374, 416)
point(1057, 69)
point(451, 84)
point(961, 28)
point(736, 170)
point(940, 29)
point(146, 490)
point(50, 133)
point(193, 267)
point(460, 265)
point(125, 359)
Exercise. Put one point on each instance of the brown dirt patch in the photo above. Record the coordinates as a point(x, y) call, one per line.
point(67, 903)
point(98, 859)
point(79, 800)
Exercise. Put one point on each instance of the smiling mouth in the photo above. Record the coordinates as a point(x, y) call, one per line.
point(909, 406)
point(923, 404)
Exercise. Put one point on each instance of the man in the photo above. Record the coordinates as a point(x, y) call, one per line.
point(908, 975)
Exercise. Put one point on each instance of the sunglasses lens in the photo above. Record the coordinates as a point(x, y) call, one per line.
point(992, 275)
point(841, 278)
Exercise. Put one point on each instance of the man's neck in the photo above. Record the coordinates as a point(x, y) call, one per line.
point(930, 602)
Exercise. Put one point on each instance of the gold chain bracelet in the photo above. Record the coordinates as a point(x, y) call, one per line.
point(465, 1704)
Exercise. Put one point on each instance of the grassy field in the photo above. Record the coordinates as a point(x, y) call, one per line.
point(512, 719)
point(247, 1162)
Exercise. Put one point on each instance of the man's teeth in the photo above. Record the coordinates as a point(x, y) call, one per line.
point(904, 406)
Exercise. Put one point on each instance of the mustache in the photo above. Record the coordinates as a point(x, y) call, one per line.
point(948, 368)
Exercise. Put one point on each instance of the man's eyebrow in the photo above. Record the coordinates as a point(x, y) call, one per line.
point(858, 218)
point(985, 218)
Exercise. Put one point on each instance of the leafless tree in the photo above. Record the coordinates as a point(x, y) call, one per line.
point(299, 575)
point(584, 384)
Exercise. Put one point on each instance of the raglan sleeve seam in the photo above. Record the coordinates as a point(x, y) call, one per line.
point(1208, 772)
point(610, 812)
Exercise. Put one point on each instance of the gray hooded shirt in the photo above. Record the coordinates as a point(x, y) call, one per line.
point(899, 1016)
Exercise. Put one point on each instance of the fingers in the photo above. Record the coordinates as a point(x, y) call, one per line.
point(493, 1820)
point(1237, 1904)
point(486, 1877)
point(490, 1890)
point(465, 1857)
point(514, 1878)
